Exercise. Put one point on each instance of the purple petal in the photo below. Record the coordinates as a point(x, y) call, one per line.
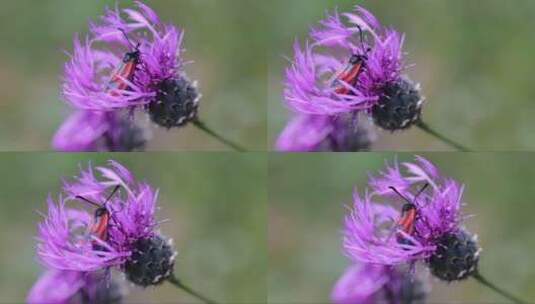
point(81, 132)
point(56, 287)
point(360, 284)
point(304, 133)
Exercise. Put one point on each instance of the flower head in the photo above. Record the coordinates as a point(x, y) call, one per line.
point(72, 239)
point(313, 85)
point(353, 64)
point(88, 83)
point(428, 227)
point(307, 133)
point(131, 60)
point(99, 131)
point(368, 284)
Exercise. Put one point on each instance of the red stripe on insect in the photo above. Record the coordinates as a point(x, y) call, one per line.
point(349, 76)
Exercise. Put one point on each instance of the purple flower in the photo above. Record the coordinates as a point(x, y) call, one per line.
point(88, 74)
point(320, 81)
point(307, 133)
point(369, 284)
point(96, 77)
point(88, 78)
point(99, 131)
point(69, 238)
point(428, 229)
point(312, 84)
point(69, 287)
point(61, 247)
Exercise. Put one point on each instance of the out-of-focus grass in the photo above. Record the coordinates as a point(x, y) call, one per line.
point(308, 195)
point(474, 60)
point(216, 204)
point(222, 38)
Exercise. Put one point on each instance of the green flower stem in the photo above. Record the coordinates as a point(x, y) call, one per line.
point(424, 127)
point(488, 284)
point(199, 124)
point(176, 282)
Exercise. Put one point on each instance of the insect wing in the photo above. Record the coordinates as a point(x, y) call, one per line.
point(349, 76)
point(407, 221)
point(124, 72)
point(100, 228)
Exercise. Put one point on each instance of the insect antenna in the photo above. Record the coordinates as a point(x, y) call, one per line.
point(96, 204)
point(401, 195)
point(413, 202)
point(420, 192)
point(112, 212)
point(111, 194)
point(128, 39)
point(88, 201)
point(362, 46)
point(361, 34)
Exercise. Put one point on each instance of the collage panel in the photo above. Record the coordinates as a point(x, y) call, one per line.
point(350, 75)
point(220, 103)
point(58, 93)
point(328, 213)
point(212, 206)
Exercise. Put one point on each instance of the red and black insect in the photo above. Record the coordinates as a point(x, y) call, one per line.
point(349, 76)
point(409, 214)
point(102, 216)
point(125, 72)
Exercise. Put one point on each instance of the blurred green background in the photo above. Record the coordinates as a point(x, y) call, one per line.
point(216, 204)
point(474, 60)
point(225, 39)
point(307, 199)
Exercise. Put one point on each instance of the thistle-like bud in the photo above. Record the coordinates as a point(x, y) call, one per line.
point(129, 137)
point(411, 290)
point(456, 257)
point(176, 103)
point(152, 261)
point(399, 107)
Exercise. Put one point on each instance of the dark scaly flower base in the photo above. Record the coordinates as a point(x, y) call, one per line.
point(105, 293)
point(411, 291)
point(152, 262)
point(176, 104)
point(400, 106)
point(130, 138)
point(357, 141)
point(456, 257)
point(349, 136)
